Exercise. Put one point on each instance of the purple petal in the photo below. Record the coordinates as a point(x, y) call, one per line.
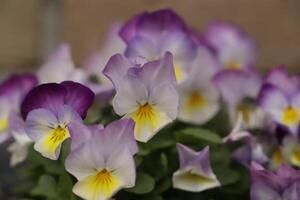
point(17, 86)
point(50, 96)
point(121, 133)
point(78, 96)
point(235, 85)
point(116, 68)
point(279, 77)
point(153, 23)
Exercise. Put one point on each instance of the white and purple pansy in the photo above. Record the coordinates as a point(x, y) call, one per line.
point(234, 48)
point(199, 99)
point(145, 93)
point(239, 90)
point(195, 173)
point(280, 99)
point(60, 67)
point(267, 185)
point(49, 108)
point(101, 159)
point(12, 92)
point(151, 35)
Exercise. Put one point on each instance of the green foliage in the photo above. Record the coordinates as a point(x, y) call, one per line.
point(156, 162)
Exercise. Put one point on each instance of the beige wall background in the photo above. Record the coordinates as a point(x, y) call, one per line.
point(32, 28)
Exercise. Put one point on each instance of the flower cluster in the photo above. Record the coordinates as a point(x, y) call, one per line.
point(150, 93)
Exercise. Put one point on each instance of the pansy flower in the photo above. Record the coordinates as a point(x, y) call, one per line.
point(60, 67)
point(234, 48)
point(250, 149)
point(151, 35)
point(280, 98)
point(101, 159)
point(145, 93)
point(267, 185)
point(199, 99)
point(239, 90)
point(195, 173)
point(49, 108)
point(12, 93)
point(20, 145)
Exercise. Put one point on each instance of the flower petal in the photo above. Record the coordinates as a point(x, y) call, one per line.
point(78, 96)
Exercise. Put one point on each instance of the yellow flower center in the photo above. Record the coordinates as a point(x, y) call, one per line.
point(55, 138)
point(3, 124)
point(196, 100)
point(234, 65)
point(277, 157)
point(102, 184)
point(295, 157)
point(245, 112)
point(179, 74)
point(145, 112)
point(103, 178)
point(290, 116)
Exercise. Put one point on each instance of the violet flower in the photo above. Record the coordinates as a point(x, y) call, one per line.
point(147, 94)
point(49, 108)
point(195, 173)
point(102, 162)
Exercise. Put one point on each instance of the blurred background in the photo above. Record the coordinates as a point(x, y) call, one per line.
point(30, 29)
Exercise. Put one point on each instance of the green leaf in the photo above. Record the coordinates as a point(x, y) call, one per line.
point(144, 184)
point(64, 186)
point(227, 176)
point(46, 187)
point(192, 134)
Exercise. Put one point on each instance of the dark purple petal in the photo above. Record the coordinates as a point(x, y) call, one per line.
point(78, 96)
point(153, 23)
point(17, 86)
point(50, 96)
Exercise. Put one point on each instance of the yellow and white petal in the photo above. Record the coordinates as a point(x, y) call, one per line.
point(49, 145)
point(100, 186)
point(18, 153)
point(148, 121)
point(291, 151)
point(194, 182)
point(196, 107)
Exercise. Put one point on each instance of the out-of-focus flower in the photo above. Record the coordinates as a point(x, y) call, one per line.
point(151, 35)
point(113, 44)
point(195, 173)
point(233, 47)
point(145, 93)
point(49, 108)
point(280, 98)
point(12, 92)
point(60, 67)
point(267, 185)
point(239, 90)
point(19, 148)
point(291, 150)
point(251, 150)
point(103, 162)
point(199, 99)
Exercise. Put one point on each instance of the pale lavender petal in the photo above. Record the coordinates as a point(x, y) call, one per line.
point(166, 99)
point(40, 122)
point(121, 135)
point(116, 68)
point(280, 78)
point(129, 95)
point(273, 101)
point(235, 85)
point(86, 160)
point(142, 47)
